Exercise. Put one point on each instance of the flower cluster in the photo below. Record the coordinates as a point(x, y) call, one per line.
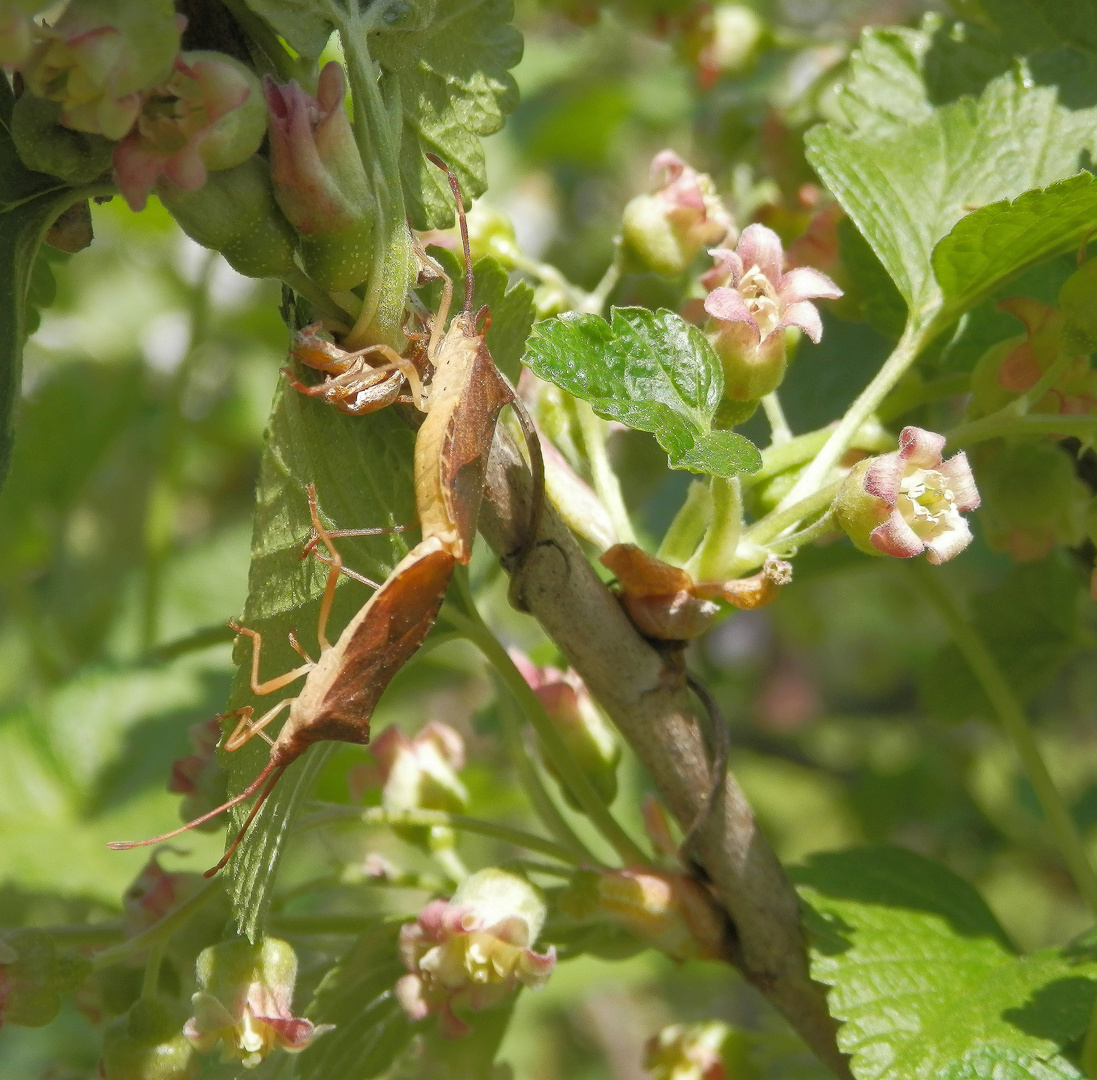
point(473, 950)
point(709, 1050)
point(909, 501)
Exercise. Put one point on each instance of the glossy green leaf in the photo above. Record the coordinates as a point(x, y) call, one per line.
point(651, 371)
point(361, 467)
point(922, 977)
point(997, 241)
point(994, 1061)
point(451, 76)
point(906, 176)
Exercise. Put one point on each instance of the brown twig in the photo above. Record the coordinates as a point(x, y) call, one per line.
point(648, 701)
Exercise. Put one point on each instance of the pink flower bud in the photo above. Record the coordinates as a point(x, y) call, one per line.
point(148, 1044)
point(580, 723)
point(243, 1002)
point(319, 179)
point(99, 57)
point(153, 894)
point(472, 951)
point(752, 303)
point(416, 774)
point(199, 776)
point(910, 501)
point(208, 115)
point(666, 231)
point(709, 1050)
point(670, 912)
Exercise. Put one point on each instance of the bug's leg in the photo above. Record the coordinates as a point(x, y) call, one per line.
point(379, 530)
point(295, 645)
point(336, 564)
point(349, 572)
point(274, 773)
point(245, 729)
point(260, 688)
point(318, 390)
point(396, 362)
point(433, 271)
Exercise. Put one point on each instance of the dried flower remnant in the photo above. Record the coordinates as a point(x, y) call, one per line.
point(750, 305)
point(666, 231)
point(154, 892)
point(664, 601)
point(473, 950)
point(99, 58)
point(208, 115)
point(909, 501)
point(243, 1002)
point(199, 776)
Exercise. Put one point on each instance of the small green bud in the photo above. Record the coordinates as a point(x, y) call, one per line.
point(33, 976)
point(148, 1044)
point(234, 212)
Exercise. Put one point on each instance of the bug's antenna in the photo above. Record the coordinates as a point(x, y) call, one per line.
point(455, 186)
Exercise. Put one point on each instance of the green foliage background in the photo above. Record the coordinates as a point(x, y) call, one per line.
point(126, 527)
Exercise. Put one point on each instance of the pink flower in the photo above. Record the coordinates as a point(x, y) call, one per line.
point(153, 894)
point(752, 301)
point(99, 58)
point(243, 1002)
point(689, 1051)
point(208, 115)
point(472, 951)
point(910, 501)
point(667, 229)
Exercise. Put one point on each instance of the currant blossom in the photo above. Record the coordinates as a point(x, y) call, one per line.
point(208, 115)
point(750, 305)
point(319, 179)
point(153, 894)
point(243, 1002)
point(199, 775)
point(147, 1043)
point(666, 230)
point(99, 58)
point(578, 720)
point(669, 911)
point(909, 501)
point(694, 1052)
point(17, 30)
point(473, 950)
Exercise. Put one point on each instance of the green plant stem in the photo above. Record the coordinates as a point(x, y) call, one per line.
point(688, 526)
point(779, 431)
point(716, 554)
point(595, 302)
point(571, 775)
point(757, 541)
point(576, 298)
point(323, 925)
point(606, 484)
point(1013, 719)
point(1089, 1047)
point(376, 815)
point(452, 864)
point(82, 937)
point(892, 370)
point(531, 783)
point(902, 400)
point(802, 448)
point(150, 983)
point(159, 932)
point(301, 283)
point(792, 541)
point(998, 426)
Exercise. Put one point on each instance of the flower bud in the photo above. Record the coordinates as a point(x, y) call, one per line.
point(243, 1002)
point(33, 976)
point(319, 179)
point(99, 57)
point(585, 733)
point(752, 303)
point(46, 145)
point(153, 894)
point(1032, 499)
point(417, 774)
point(670, 912)
point(472, 951)
point(17, 30)
point(666, 231)
point(709, 1050)
point(209, 114)
point(721, 39)
point(200, 776)
point(234, 212)
point(491, 233)
point(909, 501)
point(148, 1044)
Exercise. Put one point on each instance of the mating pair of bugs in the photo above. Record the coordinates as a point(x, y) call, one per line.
point(462, 404)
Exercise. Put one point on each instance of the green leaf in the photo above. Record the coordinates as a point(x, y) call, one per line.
point(907, 177)
point(651, 371)
point(994, 1061)
point(999, 240)
point(1073, 22)
point(511, 309)
point(29, 203)
point(371, 1030)
point(300, 23)
point(451, 76)
point(923, 979)
point(361, 467)
point(1029, 623)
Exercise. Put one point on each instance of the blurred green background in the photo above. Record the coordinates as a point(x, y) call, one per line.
point(125, 532)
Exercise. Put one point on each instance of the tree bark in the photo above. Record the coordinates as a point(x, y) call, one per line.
point(647, 699)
